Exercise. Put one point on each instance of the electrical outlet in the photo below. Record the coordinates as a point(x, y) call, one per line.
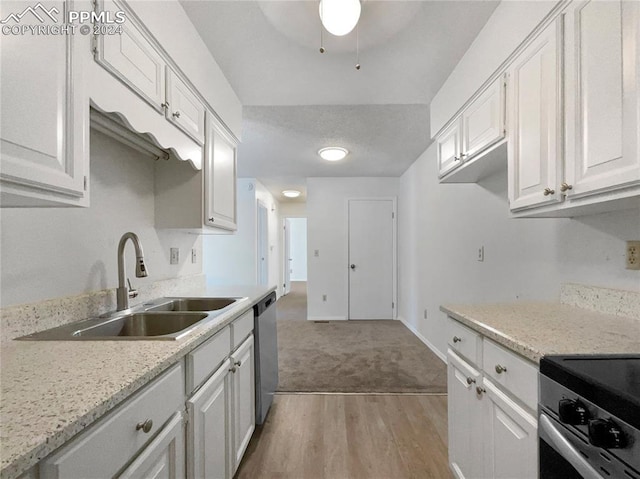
point(194, 255)
point(481, 253)
point(633, 255)
point(425, 314)
point(324, 297)
point(174, 256)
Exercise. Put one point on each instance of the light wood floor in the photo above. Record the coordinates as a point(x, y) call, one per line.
point(350, 436)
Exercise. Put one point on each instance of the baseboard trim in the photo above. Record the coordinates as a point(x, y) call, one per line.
point(428, 343)
point(326, 318)
point(321, 393)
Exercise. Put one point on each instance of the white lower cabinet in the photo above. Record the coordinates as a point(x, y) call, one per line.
point(163, 458)
point(209, 431)
point(492, 429)
point(244, 407)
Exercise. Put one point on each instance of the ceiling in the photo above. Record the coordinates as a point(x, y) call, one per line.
point(297, 99)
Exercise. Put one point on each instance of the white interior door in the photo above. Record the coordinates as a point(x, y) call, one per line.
point(287, 256)
point(263, 245)
point(371, 258)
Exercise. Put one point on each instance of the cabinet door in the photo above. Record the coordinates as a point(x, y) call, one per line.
point(244, 415)
point(465, 418)
point(483, 120)
point(510, 437)
point(595, 44)
point(534, 106)
point(44, 125)
point(163, 458)
point(209, 433)
point(449, 145)
point(133, 59)
point(184, 108)
point(220, 178)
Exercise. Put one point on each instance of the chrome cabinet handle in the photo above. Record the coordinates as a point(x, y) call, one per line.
point(565, 187)
point(176, 114)
point(470, 380)
point(165, 105)
point(145, 426)
point(480, 390)
point(237, 363)
point(211, 219)
point(549, 191)
point(456, 158)
point(500, 369)
point(233, 369)
point(456, 339)
point(353, 266)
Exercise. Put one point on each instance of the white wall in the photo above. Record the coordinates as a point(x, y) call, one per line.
point(327, 233)
point(55, 252)
point(298, 248)
point(293, 210)
point(442, 226)
point(233, 259)
point(507, 27)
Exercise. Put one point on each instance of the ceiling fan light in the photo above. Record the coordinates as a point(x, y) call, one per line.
point(339, 17)
point(333, 153)
point(291, 193)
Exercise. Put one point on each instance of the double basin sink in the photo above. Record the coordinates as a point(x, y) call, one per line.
point(161, 319)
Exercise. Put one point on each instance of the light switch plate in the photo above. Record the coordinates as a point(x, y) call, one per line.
point(194, 255)
point(174, 256)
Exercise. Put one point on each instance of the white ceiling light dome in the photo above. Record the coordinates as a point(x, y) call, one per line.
point(339, 17)
point(333, 153)
point(291, 193)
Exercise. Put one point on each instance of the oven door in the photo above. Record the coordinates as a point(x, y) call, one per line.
point(560, 457)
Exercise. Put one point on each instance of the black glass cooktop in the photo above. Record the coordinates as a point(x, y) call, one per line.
point(612, 382)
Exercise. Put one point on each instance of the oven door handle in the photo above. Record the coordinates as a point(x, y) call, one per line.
point(550, 434)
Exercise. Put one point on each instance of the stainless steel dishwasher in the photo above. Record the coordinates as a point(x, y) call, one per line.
point(266, 354)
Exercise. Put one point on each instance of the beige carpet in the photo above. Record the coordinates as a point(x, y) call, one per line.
point(351, 356)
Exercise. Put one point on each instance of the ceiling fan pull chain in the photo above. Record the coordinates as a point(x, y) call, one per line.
point(322, 50)
point(357, 47)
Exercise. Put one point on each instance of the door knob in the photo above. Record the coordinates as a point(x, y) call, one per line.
point(353, 266)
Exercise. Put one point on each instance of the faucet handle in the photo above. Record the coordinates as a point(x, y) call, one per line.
point(132, 292)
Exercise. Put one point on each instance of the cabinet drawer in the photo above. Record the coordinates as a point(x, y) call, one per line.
point(108, 445)
point(516, 375)
point(241, 328)
point(464, 341)
point(205, 359)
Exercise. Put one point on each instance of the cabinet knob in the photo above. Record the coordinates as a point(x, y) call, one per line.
point(165, 105)
point(549, 191)
point(480, 390)
point(211, 219)
point(237, 363)
point(500, 369)
point(176, 114)
point(456, 158)
point(233, 369)
point(145, 426)
point(462, 155)
point(456, 339)
point(470, 380)
point(565, 187)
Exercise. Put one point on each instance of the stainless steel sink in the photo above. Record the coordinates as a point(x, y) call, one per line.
point(142, 325)
point(194, 304)
point(161, 319)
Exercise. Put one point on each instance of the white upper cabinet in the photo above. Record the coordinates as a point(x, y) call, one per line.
point(449, 148)
point(133, 60)
point(602, 67)
point(534, 99)
point(183, 108)
point(45, 117)
point(220, 178)
point(484, 120)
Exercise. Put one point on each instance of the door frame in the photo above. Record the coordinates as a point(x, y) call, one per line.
point(286, 252)
point(262, 240)
point(394, 202)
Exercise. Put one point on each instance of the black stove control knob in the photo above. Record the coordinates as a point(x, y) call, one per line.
point(606, 434)
point(573, 412)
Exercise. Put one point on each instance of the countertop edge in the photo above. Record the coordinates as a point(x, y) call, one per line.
point(49, 443)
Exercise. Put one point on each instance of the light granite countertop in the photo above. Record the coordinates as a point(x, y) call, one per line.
point(52, 390)
point(535, 329)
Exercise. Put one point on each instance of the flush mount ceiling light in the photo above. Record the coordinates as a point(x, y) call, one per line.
point(291, 193)
point(339, 17)
point(333, 153)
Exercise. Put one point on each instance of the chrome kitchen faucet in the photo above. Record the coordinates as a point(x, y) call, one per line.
point(123, 293)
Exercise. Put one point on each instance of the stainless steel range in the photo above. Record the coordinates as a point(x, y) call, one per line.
point(589, 417)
